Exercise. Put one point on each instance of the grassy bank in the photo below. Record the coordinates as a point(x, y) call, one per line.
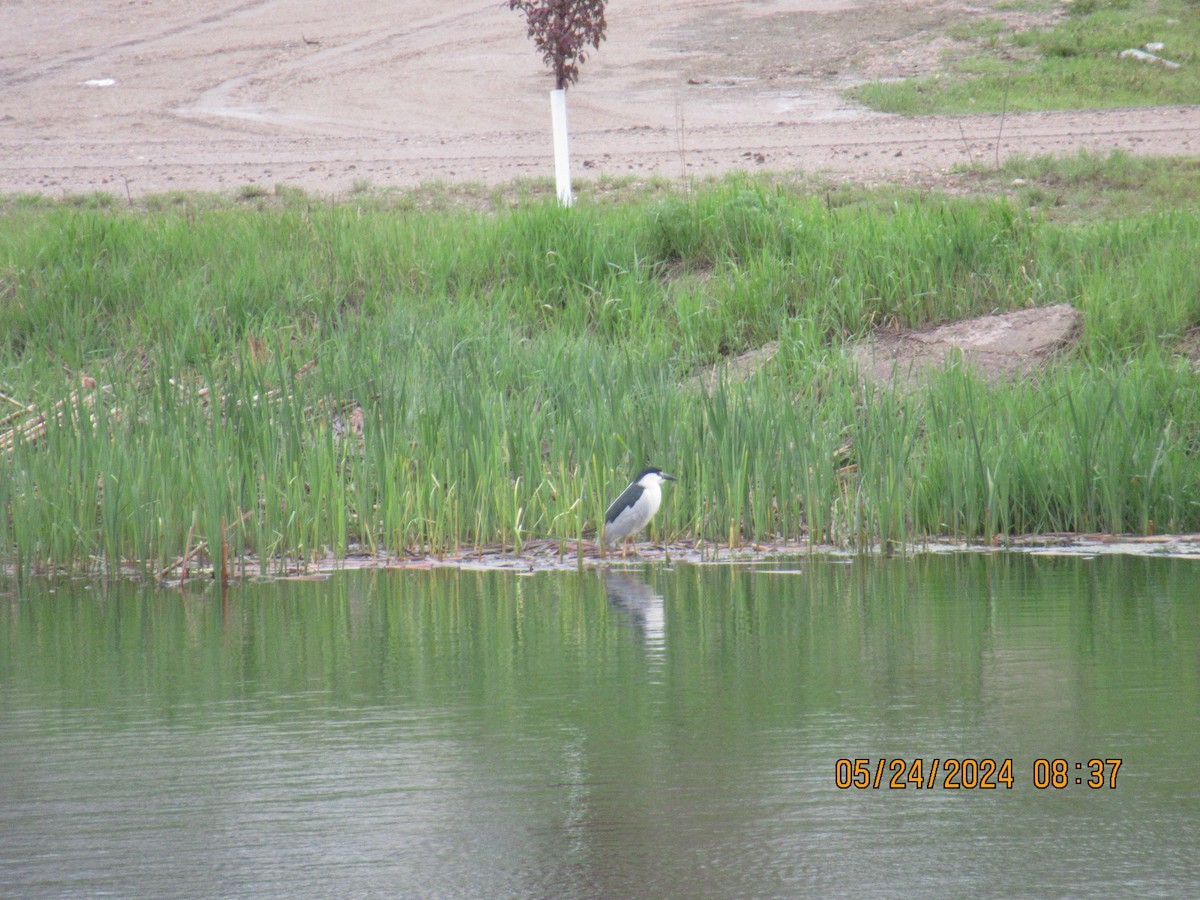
point(1073, 62)
point(511, 368)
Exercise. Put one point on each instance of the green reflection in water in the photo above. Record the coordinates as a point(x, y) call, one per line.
point(661, 731)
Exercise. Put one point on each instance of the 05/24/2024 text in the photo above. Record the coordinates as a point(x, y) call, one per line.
point(970, 773)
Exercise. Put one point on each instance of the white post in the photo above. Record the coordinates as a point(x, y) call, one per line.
point(562, 157)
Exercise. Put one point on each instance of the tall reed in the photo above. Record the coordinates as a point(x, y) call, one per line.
point(512, 370)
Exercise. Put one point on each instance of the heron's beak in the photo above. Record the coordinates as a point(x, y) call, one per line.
point(667, 477)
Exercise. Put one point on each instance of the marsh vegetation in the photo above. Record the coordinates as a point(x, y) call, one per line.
point(391, 373)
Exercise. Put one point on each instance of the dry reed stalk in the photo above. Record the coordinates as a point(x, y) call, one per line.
point(183, 571)
point(274, 395)
point(224, 554)
point(201, 547)
point(22, 409)
point(33, 428)
point(183, 560)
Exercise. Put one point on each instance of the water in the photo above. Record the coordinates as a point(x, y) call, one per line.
point(646, 733)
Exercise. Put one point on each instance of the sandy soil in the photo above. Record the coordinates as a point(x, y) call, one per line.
point(145, 96)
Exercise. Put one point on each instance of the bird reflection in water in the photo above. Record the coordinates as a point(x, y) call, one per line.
point(640, 606)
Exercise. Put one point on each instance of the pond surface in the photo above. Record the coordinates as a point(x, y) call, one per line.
point(650, 732)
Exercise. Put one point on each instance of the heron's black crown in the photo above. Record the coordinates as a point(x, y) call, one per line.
point(655, 470)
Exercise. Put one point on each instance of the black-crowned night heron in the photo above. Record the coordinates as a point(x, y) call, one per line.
point(633, 510)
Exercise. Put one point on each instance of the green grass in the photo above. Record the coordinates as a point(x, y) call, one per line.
point(514, 364)
point(1091, 187)
point(1072, 64)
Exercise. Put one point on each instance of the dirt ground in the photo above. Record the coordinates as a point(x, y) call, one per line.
point(998, 347)
point(145, 96)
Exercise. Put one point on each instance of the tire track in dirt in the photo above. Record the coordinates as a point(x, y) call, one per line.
point(93, 55)
point(327, 97)
point(248, 97)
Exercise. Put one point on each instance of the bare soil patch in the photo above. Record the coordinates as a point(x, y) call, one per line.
point(136, 97)
point(1007, 345)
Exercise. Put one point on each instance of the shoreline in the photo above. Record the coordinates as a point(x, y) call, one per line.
point(541, 556)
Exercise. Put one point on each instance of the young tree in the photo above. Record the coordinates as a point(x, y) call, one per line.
point(562, 31)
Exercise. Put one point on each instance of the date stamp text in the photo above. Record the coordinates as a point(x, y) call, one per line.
point(972, 773)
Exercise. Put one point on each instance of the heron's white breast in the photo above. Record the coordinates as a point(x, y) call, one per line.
point(652, 497)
